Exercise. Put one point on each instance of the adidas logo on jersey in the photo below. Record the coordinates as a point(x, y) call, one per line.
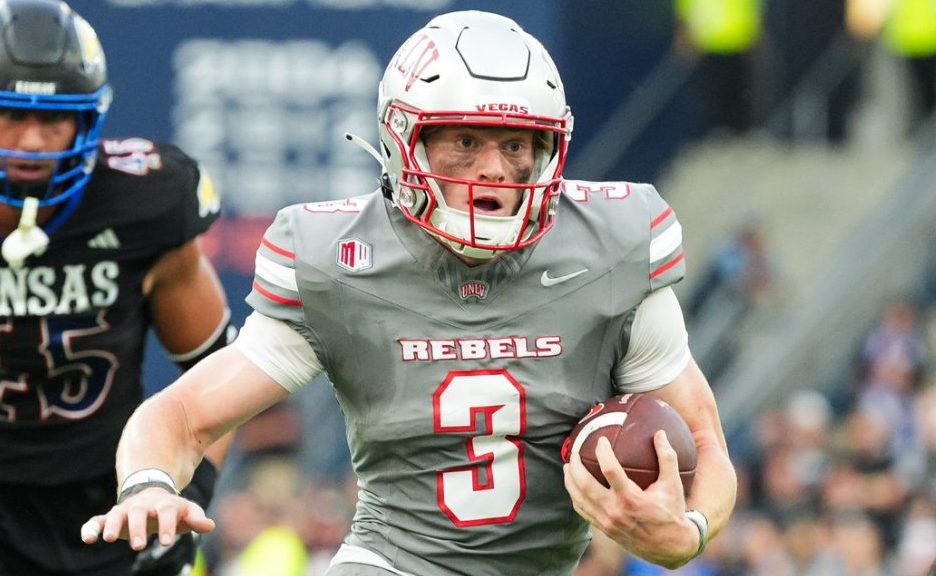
point(106, 239)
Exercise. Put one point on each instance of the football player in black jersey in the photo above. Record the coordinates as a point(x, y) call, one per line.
point(98, 245)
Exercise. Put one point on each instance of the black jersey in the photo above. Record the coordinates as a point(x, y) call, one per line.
point(73, 321)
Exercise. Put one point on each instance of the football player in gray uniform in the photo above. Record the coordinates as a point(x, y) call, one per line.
point(468, 313)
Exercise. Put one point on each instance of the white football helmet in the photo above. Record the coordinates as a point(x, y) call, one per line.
point(480, 69)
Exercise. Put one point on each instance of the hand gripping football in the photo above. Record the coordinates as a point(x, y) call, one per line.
point(629, 422)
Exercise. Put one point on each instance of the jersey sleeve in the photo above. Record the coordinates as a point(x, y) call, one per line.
point(659, 346)
point(666, 256)
point(654, 342)
point(202, 207)
point(275, 291)
point(157, 196)
point(277, 349)
point(197, 203)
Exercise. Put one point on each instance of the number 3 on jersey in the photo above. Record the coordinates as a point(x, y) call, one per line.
point(491, 404)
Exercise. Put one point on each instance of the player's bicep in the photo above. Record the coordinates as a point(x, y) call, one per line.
point(279, 351)
point(186, 300)
point(658, 350)
point(690, 395)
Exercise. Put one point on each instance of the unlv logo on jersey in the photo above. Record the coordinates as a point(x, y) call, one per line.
point(354, 255)
point(473, 289)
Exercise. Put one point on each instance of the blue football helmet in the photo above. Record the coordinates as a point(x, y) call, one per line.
point(51, 61)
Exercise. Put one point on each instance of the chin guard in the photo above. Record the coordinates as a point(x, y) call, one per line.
point(27, 239)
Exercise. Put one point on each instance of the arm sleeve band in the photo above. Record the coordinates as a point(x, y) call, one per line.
point(281, 352)
point(223, 335)
point(659, 346)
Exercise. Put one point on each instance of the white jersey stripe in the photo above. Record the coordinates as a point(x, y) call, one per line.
point(276, 274)
point(667, 242)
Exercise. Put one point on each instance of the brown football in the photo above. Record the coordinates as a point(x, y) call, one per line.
point(629, 422)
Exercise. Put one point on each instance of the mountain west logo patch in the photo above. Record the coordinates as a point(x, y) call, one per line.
point(354, 255)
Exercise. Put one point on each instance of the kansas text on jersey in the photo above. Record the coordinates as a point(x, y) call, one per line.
point(73, 321)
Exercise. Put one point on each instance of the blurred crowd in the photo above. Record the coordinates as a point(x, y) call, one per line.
point(799, 68)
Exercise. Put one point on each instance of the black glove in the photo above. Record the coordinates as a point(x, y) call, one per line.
point(178, 558)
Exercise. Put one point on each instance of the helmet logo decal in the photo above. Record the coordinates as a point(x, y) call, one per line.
point(354, 255)
point(91, 51)
point(413, 58)
point(209, 201)
point(473, 289)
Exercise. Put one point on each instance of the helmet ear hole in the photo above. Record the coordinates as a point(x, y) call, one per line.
point(385, 188)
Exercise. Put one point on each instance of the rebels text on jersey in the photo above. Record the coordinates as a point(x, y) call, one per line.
point(73, 321)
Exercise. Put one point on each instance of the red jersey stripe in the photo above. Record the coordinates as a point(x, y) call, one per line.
point(668, 265)
point(661, 217)
point(277, 249)
point(276, 297)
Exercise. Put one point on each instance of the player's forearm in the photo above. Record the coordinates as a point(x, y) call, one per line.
point(217, 452)
point(715, 485)
point(173, 429)
point(157, 436)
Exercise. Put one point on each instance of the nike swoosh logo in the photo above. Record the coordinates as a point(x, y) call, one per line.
point(547, 281)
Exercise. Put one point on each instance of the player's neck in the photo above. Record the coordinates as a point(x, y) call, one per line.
point(10, 217)
point(471, 261)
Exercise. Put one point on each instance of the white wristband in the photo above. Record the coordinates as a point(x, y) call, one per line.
point(148, 475)
point(701, 522)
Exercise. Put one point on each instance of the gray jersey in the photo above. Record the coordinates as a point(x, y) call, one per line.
point(459, 384)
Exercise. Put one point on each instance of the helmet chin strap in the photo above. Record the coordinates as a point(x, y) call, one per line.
point(27, 239)
point(492, 229)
